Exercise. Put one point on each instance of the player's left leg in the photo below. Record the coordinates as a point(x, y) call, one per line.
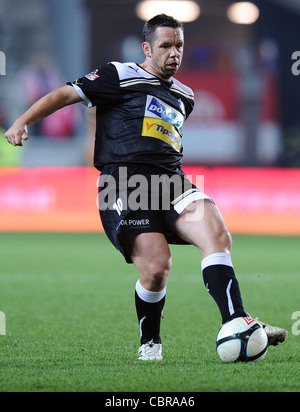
point(202, 225)
point(207, 231)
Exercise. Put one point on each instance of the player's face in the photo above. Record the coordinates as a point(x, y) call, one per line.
point(166, 52)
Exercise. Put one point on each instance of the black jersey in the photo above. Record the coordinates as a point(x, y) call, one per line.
point(139, 117)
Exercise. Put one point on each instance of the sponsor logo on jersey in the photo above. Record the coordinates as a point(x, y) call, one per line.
point(163, 122)
point(93, 76)
point(163, 131)
point(158, 109)
point(135, 222)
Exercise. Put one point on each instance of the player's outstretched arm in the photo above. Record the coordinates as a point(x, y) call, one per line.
point(47, 105)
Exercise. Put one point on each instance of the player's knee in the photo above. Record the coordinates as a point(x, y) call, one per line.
point(217, 240)
point(224, 239)
point(159, 272)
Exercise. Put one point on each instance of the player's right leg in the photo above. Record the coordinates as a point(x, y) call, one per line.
point(150, 254)
point(138, 234)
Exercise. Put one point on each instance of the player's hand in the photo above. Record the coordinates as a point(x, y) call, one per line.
point(16, 134)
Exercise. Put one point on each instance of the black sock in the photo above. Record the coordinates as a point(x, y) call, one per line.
point(149, 316)
point(149, 313)
point(221, 283)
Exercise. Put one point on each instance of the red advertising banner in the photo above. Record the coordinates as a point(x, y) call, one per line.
point(49, 199)
point(265, 201)
point(262, 201)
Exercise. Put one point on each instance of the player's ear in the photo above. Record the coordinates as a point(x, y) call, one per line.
point(147, 49)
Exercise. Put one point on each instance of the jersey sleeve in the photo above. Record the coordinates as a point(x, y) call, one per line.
point(99, 87)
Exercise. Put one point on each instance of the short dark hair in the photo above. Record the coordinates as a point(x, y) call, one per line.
point(161, 20)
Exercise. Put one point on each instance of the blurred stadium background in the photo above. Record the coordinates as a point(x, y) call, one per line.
point(244, 134)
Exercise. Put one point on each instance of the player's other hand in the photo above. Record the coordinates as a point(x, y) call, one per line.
point(16, 134)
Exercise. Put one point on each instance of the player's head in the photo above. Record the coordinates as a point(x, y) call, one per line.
point(161, 20)
point(163, 45)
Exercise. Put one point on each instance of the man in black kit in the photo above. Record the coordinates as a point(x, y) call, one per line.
point(140, 114)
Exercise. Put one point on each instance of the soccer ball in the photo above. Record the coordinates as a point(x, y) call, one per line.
point(242, 340)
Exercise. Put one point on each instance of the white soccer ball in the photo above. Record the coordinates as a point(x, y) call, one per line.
point(242, 340)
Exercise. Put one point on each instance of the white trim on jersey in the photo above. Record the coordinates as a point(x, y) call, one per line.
point(180, 88)
point(184, 200)
point(86, 101)
point(128, 71)
point(131, 74)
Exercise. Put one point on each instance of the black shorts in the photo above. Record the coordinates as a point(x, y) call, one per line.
point(135, 199)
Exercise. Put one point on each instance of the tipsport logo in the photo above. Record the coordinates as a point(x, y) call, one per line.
point(2, 64)
point(163, 131)
point(163, 122)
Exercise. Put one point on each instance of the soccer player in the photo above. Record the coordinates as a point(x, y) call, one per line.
point(145, 200)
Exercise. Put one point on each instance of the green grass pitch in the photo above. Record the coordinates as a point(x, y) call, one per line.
point(71, 322)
